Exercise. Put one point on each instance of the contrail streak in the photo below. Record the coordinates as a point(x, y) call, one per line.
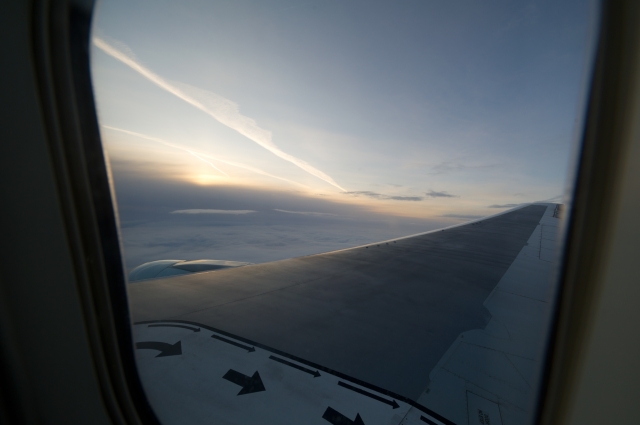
point(224, 161)
point(223, 110)
point(208, 162)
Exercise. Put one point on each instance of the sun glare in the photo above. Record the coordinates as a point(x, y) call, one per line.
point(207, 179)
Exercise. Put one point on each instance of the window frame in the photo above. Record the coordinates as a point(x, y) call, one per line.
point(58, 37)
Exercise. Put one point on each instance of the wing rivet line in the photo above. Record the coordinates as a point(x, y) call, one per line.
point(427, 420)
point(175, 326)
point(237, 344)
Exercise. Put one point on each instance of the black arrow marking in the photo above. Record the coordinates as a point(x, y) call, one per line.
point(249, 385)
point(337, 418)
point(393, 403)
point(175, 326)
point(315, 373)
point(427, 420)
point(339, 374)
point(237, 344)
point(164, 348)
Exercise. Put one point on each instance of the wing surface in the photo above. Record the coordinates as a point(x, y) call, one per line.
point(383, 314)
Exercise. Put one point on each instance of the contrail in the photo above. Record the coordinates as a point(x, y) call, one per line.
point(250, 168)
point(224, 161)
point(223, 110)
point(208, 162)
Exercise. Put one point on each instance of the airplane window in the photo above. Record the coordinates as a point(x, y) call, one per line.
point(343, 212)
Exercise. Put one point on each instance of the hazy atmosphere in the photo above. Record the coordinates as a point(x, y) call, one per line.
point(262, 130)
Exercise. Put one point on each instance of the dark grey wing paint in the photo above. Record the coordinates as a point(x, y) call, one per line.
point(383, 314)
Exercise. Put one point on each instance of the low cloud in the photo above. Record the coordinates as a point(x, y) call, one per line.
point(201, 211)
point(376, 195)
point(504, 206)
point(257, 240)
point(312, 213)
point(406, 198)
point(434, 194)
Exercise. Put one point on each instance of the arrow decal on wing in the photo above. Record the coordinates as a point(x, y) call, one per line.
point(164, 348)
point(315, 373)
point(336, 418)
point(252, 384)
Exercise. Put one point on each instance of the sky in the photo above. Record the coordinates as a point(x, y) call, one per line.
point(261, 130)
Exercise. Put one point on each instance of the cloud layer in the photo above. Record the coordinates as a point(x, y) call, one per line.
point(254, 238)
point(204, 211)
point(434, 194)
point(311, 213)
point(375, 195)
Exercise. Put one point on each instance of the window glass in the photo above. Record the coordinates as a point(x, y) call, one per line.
point(343, 212)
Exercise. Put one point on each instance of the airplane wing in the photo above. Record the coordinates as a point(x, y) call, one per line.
point(372, 334)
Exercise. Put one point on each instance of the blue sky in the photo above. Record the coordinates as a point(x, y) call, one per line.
point(413, 111)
